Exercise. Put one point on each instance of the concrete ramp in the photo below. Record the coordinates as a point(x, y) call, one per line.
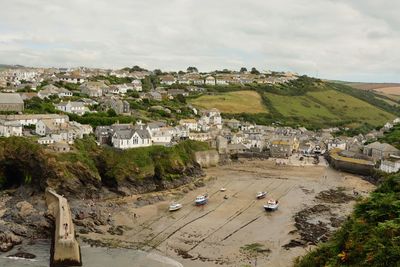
point(65, 248)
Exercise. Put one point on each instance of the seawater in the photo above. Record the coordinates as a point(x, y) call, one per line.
point(91, 257)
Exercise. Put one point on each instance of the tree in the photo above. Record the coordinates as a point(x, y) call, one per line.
point(157, 72)
point(254, 71)
point(243, 69)
point(192, 69)
point(181, 98)
point(111, 113)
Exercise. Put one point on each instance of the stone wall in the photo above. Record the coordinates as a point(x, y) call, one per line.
point(65, 248)
point(207, 158)
point(351, 167)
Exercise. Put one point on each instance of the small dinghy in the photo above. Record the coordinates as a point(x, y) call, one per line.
point(261, 195)
point(175, 206)
point(271, 205)
point(201, 200)
point(223, 189)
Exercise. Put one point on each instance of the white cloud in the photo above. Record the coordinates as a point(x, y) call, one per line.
point(334, 39)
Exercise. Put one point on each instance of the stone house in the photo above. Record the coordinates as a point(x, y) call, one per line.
point(380, 151)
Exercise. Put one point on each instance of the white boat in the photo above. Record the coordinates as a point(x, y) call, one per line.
point(223, 189)
point(201, 200)
point(261, 195)
point(175, 206)
point(271, 205)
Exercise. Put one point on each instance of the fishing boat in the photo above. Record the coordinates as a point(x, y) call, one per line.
point(261, 195)
point(201, 200)
point(271, 205)
point(174, 206)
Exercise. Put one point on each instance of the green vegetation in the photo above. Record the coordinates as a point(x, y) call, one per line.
point(370, 237)
point(232, 102)
point(40, 106)
point(392, 137)
point(113, 79)
point(303, 102)
point(23, 161)
point(161, 162)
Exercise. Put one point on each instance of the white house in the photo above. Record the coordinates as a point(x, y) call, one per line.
point(137, 85)
point(72, 107)
point(10, 128)
point(210, 80)
point(161, 137)
point(190, 124)
point(131, 138)
point(50, 90)
point(336, 143)
point(390, 166)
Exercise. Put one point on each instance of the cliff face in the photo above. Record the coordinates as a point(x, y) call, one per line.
point(88, 168)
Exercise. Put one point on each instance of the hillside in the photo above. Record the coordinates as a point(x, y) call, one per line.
point(306, 101)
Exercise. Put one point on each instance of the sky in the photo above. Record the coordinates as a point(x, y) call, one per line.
point(353, 40)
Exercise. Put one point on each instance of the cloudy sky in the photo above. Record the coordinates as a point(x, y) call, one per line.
point(356, 40)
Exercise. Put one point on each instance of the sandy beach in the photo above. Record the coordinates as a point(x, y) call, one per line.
point(213, 235)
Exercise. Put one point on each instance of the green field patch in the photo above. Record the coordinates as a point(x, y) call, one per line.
point(232, 102)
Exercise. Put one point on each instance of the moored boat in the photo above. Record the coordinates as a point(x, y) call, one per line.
point(261, 195)
point(201, 200)
point(175, 206)
point(271, 205)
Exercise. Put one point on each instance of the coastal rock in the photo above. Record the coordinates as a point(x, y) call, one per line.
point(8, 240)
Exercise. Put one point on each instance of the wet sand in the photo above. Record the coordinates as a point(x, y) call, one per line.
point(212, 235)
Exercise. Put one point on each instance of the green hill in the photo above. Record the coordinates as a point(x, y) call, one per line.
point(306, 101)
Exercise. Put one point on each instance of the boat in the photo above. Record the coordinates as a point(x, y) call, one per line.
point(175, 206)
point(201, 200)
point(271, 205)
point(223, 189)
point(261, 195)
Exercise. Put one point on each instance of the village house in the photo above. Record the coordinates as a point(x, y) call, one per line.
point(11, 102)
point(118, 105)
point(50, 90)
point(210, 80)
point(32, 119)
point(131, 138)
point(161, 137)
point(167, 80)
point(67, 132)
point(72, 79)
point(10, 128)
point(190, 124)
point(336, 143)
point(72, 107)
point(93, 89)
point(391, 165)
point(283, 147)
point(137, 85)
point(200, 136)
point(380, 151)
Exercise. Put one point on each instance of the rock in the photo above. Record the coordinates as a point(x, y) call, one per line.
point(116, 230)
point(24, 255)
point(25, 209)
point(8, 240)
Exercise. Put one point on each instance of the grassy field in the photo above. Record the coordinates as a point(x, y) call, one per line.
point(325, 106)
point(232, 102)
